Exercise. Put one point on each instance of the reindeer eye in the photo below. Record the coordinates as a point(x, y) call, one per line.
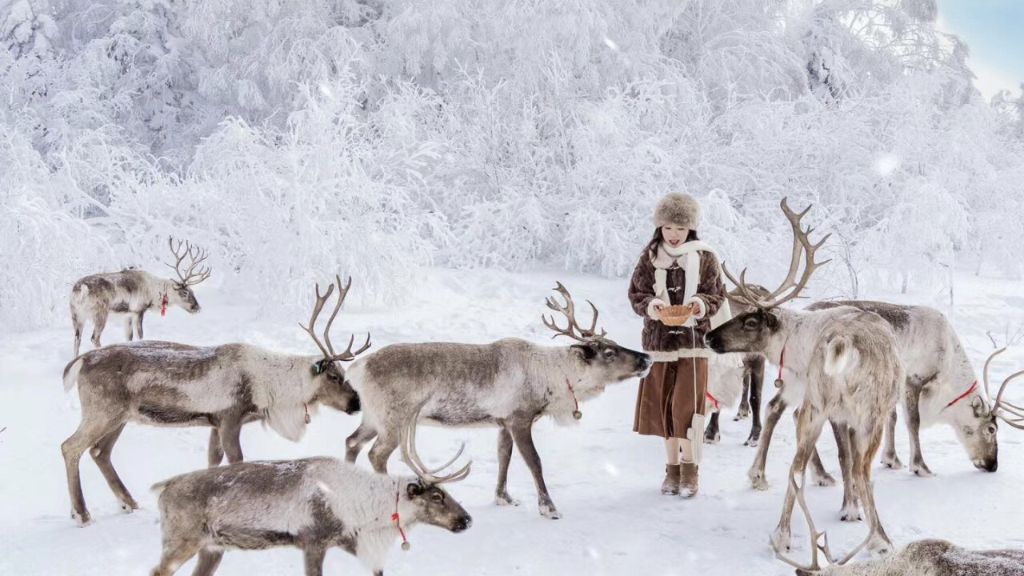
point(437, 497)
point(992, 429)
point(609, 352)
point(751, 323)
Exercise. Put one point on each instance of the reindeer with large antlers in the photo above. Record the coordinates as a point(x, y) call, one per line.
point(224, 387)
point(135, 292)
point(314, 504)
point(840, 365)
point(509, 384)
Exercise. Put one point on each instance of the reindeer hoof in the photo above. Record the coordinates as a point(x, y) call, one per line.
point(825, 479)
point(129, 506)
point(712, 438)
point(82, 519)
point(892, 462)
point(780, 540)
point(851, 514)
point(921, 470)
point(758, 482)
point(742, 414)
point(752, 442)
point(505, 500)
point(549, 511)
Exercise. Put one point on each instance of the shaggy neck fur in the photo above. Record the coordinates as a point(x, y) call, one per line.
point(551, 375)
point(283, 388)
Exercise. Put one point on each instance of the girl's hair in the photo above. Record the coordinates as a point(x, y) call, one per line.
point(652, 246)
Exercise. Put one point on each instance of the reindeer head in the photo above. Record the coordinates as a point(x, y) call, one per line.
point(754, 330)
point(432, 504)
point(598, 355)
point(334, 390)
point(181, 294)
point(977, 430)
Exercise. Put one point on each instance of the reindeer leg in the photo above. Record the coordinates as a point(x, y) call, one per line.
point(851, 509)
point(711, 434)
point(889, 458)
point(821, 475)
point(77, 323)
point(744, 410)
point(382, 448)
point(176, 552)
point(314, 558)
point(501, 496)
point(214, 451)
point(88, 434)
point(230, 431)
point(209, 560)
point(101, 455)
point(917, 465)
point(863, 455)
point(138, 324)
point(756, 387)
point(808, 428)
point(522, 434)
point(99, 322)
point(354, 443)
point(756, 474)
point(129, 325)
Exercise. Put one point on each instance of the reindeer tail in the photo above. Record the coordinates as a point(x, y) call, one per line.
point(840, 355)
point(71, 373)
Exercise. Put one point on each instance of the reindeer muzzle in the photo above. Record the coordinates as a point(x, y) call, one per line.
point(462, 523)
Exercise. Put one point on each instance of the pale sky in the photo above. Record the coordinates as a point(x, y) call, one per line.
point(994, 32)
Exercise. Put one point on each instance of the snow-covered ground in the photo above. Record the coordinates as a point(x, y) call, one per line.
point(603, 478)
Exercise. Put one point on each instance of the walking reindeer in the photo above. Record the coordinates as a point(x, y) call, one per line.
point(509, 383)
point(134, 292)
point(224, 387)
point(313, 504)
point(841, 365)
point(940, 386)
point(921, 558)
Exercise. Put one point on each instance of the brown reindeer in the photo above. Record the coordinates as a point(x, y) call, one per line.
point(224, 387)
point(135, 292)
point(841, 365)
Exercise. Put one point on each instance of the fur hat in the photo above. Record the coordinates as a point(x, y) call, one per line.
point(677, 209)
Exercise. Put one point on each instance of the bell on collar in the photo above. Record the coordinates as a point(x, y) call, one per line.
point(577, 414)
point(779, 382)
point(406, 546)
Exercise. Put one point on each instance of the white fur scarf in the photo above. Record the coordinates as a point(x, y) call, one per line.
point(687, 256)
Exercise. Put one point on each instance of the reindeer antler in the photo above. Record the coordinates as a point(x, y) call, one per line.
point(573, 329)
point(424, 473)
point(790, 288)
point(1001, 407)
point(182, 249)
point(819, 540)
point(325, 346)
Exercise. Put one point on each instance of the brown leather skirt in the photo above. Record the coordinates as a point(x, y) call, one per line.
point(666, 402)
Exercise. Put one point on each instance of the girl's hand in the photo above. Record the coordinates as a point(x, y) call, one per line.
point(694, 308)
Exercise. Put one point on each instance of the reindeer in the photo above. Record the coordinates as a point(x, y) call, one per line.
point(842, 365)
point(921, 558)
point(940, 387)
point(722, 381)
point(510, 383)
point(134, 292)
point(224, 387)
point(313, 504)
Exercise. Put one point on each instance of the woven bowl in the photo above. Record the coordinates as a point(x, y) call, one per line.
point(674, 315)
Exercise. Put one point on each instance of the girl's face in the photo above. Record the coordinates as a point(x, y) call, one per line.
point(674, 235)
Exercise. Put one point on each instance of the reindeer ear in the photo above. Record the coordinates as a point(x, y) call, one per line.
point(772, 321)
point(979, 406)
point(414, 489)
point(585, 352)
point(319, 367)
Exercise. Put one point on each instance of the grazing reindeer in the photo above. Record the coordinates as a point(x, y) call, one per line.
point(134, 292)
point(842, 366)
point(920, 558)
point(509, 383)
point(314, 504)
point(751, 374)
point(167, 384)
point(940, 387)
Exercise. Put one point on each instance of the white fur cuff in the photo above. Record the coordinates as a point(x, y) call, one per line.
point(700, 304)
point(650, 308)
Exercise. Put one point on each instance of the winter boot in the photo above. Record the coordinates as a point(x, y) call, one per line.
point(688, 479)
point(671, 483)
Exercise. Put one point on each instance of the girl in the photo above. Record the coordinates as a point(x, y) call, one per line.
point(676, 269)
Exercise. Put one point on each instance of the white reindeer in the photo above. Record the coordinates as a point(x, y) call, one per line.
point(134, 292)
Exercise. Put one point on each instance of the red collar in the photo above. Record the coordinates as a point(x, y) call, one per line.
point(714, 401)
point(973, 387)
point(398, 523)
